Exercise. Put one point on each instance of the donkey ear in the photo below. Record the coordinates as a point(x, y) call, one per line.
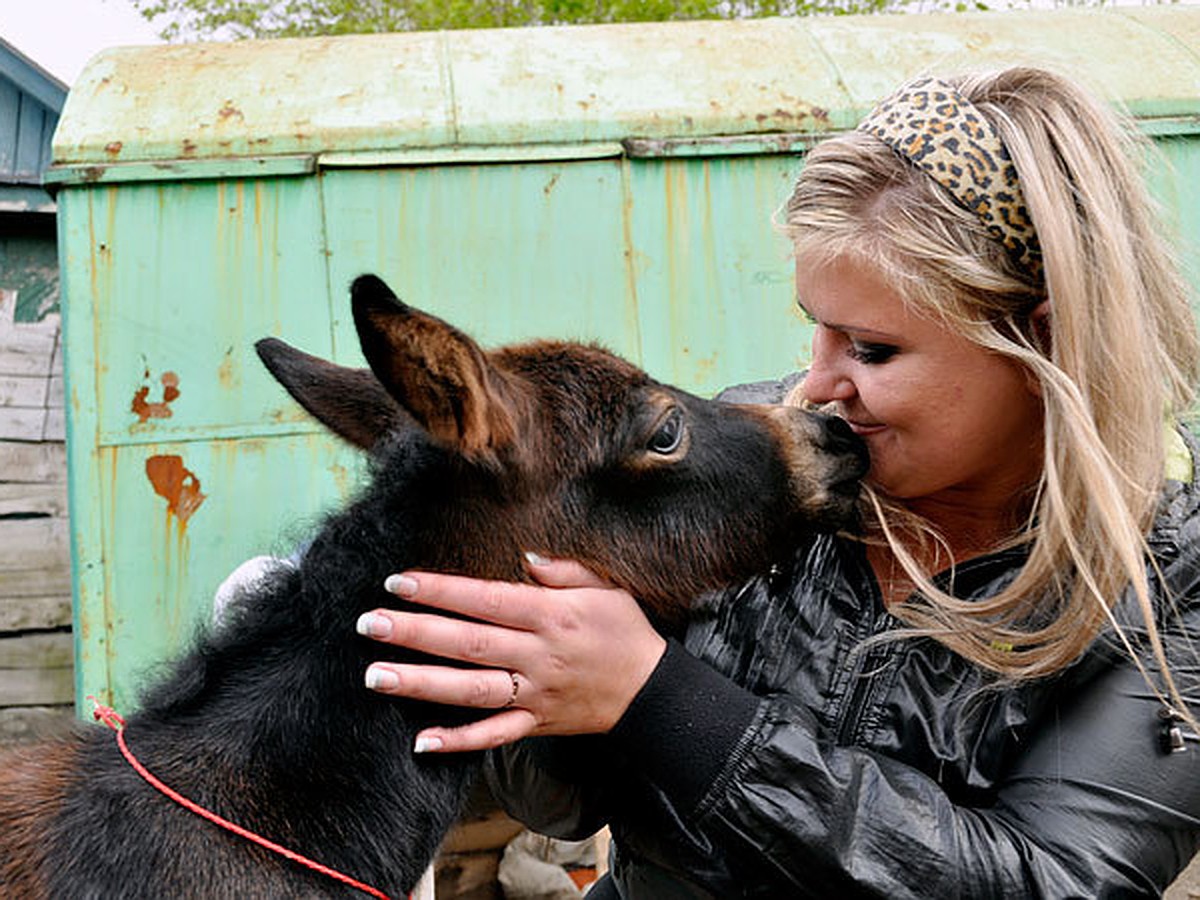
point(437, 373)
point(350, 402)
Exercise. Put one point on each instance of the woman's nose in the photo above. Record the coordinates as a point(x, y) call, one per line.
point(826, 380)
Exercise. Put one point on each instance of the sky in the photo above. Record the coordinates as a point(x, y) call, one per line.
point(62, 35)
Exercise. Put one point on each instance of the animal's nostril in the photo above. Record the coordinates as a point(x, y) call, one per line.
point(839, 439)
point(839, 428)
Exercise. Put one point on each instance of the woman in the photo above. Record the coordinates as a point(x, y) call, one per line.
point(992, 693)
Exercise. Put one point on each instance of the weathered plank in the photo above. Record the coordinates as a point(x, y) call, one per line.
point(30, 723)
point(25, 613)
point(44, 581)
point(33, 544)
point(33, 463)
point(42, 650)
point(55, 427)
point(37, 669)
point(17, 423)
point(25, 390)
point(38, 499)
point(37, 686)
point(55, 396)
point(27, 351)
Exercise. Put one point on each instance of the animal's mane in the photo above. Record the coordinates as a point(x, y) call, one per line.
point(276, 689)
point(315, 599)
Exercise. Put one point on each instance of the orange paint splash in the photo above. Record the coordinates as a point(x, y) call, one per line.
point(145, 409)
point(176, 484)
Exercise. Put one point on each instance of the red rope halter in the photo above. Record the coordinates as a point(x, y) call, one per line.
point(113, 720)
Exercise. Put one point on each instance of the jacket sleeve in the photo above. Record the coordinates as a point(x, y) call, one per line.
point(554, 785)
point(1092, 807)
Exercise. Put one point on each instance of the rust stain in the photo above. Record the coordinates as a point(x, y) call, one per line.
point(225, 370)
point(176, 484)
point(159, 409)
point(113, 148)
point(229, 111)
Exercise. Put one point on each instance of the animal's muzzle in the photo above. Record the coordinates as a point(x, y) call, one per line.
point(838, 440)
point(828, 463)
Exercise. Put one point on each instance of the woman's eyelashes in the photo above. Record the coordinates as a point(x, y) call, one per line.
point(871, 353)
point(867, 352)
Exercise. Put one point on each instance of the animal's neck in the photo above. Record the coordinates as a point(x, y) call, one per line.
point(274, 701)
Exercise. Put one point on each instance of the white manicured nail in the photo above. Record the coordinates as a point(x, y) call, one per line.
point(427, 744)
point(381, 679)
point(401, 585)
point(373, 625)
point(536, 559)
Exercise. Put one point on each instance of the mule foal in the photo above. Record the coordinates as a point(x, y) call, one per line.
point(477, 457)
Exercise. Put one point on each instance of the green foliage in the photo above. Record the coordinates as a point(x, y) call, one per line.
point(188, 19)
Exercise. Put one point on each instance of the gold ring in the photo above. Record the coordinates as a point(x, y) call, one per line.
point(516, 686)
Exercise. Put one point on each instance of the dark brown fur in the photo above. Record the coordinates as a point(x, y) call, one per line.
point(557, 448)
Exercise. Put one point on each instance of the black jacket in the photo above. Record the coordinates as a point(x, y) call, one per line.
point(771, 755)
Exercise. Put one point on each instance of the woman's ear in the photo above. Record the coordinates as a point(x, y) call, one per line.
point(1039, 326)
point(1039, 335)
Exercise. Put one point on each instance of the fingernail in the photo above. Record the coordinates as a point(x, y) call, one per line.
point(427, 744)
point(401, 585)
point(381, 679)
point(373, 625)
point(536, 559)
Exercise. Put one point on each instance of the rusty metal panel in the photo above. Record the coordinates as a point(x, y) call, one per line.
point(715, 276)
point(174, 519)
point(583, 84)
point(256, 98)
point(435, 89)
point(1145, 58)
point(178, 280)
point(165, 289)
point(506, 252)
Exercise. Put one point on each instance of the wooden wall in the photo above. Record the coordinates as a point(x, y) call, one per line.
point(36, 680)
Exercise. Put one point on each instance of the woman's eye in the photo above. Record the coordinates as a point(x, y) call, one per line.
point(872, 353)
point(667, 436)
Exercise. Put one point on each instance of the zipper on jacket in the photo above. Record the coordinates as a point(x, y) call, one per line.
point(867, 665)
point(856, 703)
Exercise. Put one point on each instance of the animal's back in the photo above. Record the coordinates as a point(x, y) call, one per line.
point(34, 782)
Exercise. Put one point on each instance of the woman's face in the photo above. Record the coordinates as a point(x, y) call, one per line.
point(945, 420)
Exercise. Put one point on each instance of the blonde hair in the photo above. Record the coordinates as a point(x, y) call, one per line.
point(1118, 358)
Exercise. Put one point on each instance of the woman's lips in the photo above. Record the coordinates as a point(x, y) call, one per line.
point(864, 429)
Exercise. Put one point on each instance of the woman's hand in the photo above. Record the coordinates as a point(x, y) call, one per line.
point(565, 656)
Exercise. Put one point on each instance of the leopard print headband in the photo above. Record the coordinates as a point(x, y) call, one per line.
point(931, 125)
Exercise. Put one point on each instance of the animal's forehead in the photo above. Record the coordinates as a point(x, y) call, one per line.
point(576, 369)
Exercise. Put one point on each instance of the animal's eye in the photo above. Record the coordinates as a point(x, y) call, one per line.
point(667, 436)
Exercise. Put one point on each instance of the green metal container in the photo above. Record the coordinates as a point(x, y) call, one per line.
point(613, 183)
